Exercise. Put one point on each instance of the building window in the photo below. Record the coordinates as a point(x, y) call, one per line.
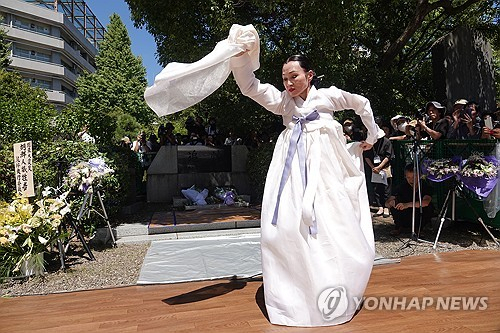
point(21, 23)
point(28, 25)
point(42, 57)
point(22, 52)
point(34, 82)
point(68, 91)
point(42, 29)
point(32, 54)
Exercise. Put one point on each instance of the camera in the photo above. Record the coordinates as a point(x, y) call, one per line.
point(421, 114)
point(465, 112)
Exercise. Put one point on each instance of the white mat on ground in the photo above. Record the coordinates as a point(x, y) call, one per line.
point(197, 259)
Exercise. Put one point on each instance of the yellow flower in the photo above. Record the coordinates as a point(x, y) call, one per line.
point(3, 240)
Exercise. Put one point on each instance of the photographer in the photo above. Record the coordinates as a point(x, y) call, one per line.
point(467, 122)
point(140, 145)
point(399, 124)
point(491, 130)
point(401, 203)
point(436, 127)
point(351, 131)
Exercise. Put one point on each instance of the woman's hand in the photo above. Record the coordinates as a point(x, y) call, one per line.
point(365, 145)
point(401, 206)
point(495, 132)
point(241, 53)
point(468, 121)
point(456, 118)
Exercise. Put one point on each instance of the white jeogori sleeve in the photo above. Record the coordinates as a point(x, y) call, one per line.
point(179, 86)
point(343, 100)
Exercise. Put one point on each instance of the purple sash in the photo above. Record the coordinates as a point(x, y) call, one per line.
point(296, 144)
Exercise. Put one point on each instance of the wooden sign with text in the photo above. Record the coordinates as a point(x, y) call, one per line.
point(23, 162)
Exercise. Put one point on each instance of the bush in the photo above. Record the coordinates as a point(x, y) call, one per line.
point(7, 174)
point(50, 164)
point(257, 165)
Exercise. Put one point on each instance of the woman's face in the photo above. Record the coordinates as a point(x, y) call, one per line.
point(296, 80)
point(473, 111)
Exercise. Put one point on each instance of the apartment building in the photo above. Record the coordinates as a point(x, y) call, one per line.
point(52, 42)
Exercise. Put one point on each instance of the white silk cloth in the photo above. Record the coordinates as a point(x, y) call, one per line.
point(492, 202)
point(179, 85)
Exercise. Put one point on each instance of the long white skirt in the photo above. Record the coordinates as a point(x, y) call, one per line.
point(316, 280)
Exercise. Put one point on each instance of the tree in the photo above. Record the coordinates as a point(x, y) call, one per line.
point(380, 49)
point(117, 87)
point(444, 9)
point(4, 50)
point(26, 113)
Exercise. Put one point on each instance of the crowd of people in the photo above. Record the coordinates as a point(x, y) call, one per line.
point(433, 122)
point(464, 121)
point(198, 133)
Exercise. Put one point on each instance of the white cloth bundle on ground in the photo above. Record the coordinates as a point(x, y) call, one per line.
point(179, 86)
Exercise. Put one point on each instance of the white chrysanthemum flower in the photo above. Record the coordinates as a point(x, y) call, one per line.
point(65, 210)
point(26, 228)
point(46, 192)
point(42, 240)
point(12, 238)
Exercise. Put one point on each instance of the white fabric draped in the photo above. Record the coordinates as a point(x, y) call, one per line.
point(179, 85)
point(492, 202)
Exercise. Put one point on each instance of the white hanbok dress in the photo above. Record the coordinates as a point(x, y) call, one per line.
point(318, 245)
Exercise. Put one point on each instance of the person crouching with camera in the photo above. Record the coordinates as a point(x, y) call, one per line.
point(401, 204)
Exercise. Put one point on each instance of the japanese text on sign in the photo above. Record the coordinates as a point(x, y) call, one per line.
point(23, 163)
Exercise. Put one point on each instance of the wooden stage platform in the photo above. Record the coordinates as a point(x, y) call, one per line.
point(238, 306)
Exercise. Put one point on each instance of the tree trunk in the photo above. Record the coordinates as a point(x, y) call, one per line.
point(422, 10)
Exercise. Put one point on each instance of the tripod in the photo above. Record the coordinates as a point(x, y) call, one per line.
point(416, 187)
point(452, 192)
point(75, 231)
point(87, 208)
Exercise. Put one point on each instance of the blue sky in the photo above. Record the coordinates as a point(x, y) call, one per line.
point(142, 42)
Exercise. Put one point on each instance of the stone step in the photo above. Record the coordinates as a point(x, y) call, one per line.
point(187, 235)
point(131, 229)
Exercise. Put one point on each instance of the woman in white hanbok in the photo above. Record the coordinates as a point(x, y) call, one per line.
point(317, 238)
